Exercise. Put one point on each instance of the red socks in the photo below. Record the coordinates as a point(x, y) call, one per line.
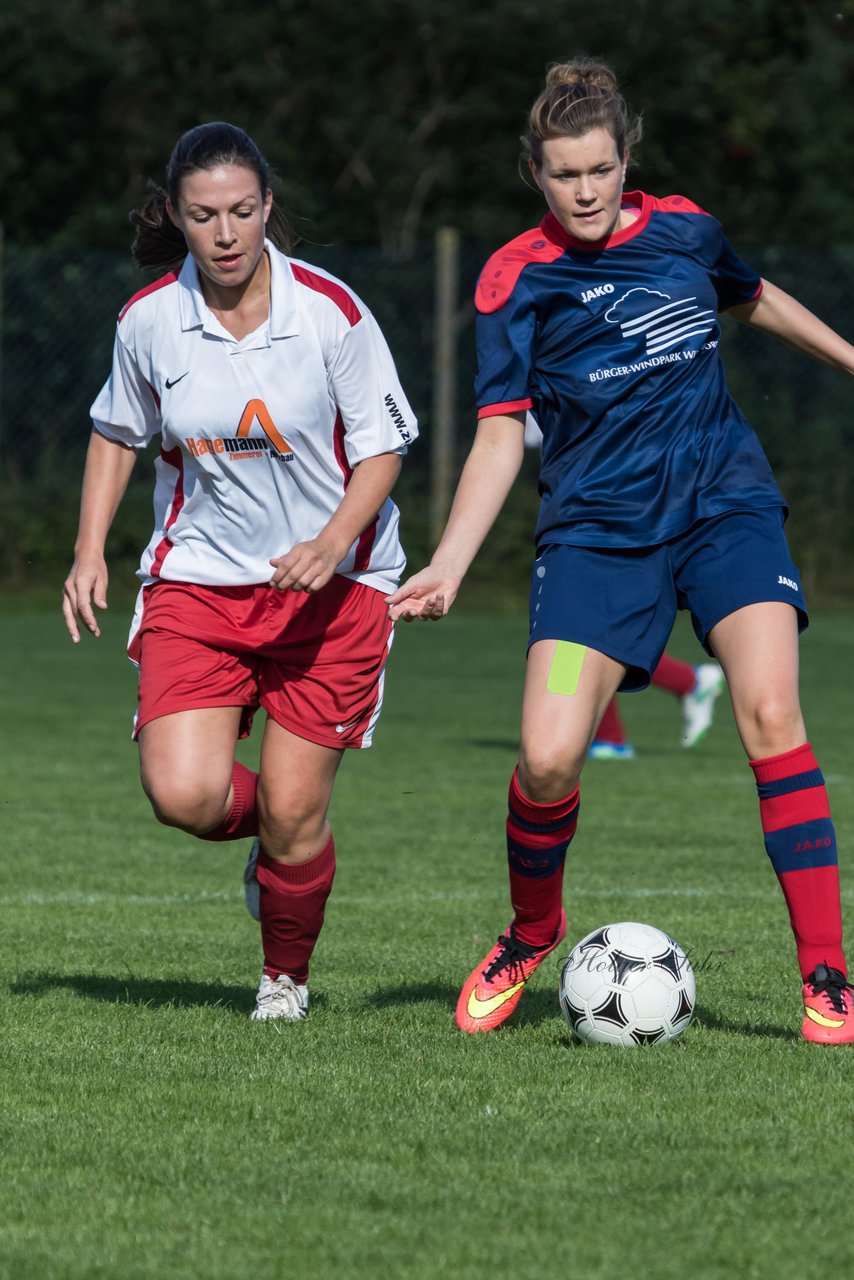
point(242, 820)
point(538, 836)
point(675, 676)
point(801, 843)
point(611, 726)
point(293, 899)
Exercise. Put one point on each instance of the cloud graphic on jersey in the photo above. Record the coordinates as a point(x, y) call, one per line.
point(661, 327)
point(653, 293)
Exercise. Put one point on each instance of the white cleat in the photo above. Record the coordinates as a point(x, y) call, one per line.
point(280, 998)
point(251, 887)
point(698, 707)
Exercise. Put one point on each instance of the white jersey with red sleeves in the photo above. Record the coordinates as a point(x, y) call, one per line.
point(259, 437)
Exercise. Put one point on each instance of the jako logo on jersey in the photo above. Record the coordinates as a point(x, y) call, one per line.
point(243, 446)
point(398, 419)
point(598, 291)
point(786, 582)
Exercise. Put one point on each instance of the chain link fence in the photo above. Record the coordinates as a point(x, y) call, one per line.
point(58, 317)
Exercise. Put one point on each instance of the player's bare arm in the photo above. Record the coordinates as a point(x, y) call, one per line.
point(108, 468)
point(488, 475)
point(308, 566)
point(778, 313)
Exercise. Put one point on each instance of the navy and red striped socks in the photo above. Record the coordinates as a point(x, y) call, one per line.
point(801, 843)
point(538, 836)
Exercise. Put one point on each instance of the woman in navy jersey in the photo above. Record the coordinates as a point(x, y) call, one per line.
point(282, 427)
point(656, 495)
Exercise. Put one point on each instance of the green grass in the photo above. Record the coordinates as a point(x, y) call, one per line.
point(148, 1129)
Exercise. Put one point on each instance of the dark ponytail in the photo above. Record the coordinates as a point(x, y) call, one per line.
point(158, 244)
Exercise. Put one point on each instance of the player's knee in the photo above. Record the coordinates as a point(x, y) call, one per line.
point(775, 723)
point(544, 778)
point(290, 826)
point(177, 803)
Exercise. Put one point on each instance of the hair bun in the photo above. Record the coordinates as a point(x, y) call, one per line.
point(584, 71)
point(580, 95)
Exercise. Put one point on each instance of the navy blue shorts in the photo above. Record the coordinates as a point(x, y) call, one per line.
point(623, 600)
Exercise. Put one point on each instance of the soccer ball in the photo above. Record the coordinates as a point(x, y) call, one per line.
point(627, 984)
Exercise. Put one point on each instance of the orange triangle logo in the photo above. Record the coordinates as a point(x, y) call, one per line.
point(256, 410)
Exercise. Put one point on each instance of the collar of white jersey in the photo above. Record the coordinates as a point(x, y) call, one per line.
point(195, 313)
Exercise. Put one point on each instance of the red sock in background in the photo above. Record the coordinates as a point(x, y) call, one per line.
point(293, 899)
point(538, 836)
point(801, 843)
point(242, 819)
point(611, 726)
point(674, 676)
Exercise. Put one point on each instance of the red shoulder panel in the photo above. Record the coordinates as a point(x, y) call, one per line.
point(676, 204)
point(339, 295)
point(149, 288)
point(499, 276)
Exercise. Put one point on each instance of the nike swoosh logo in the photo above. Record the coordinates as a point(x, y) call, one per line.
point(815, 1016)
point(170, 385)
point(483, 1008)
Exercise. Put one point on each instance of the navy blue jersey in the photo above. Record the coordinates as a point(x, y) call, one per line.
point(614, 348)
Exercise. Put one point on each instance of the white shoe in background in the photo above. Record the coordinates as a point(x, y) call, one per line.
point(698, 706)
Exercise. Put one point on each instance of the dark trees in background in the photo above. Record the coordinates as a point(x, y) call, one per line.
point(388, 118)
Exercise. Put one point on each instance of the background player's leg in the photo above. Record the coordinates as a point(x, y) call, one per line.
point(697, 689)
point(611, 728)
point(758, 649)
point(674, 676)
point(610, 740)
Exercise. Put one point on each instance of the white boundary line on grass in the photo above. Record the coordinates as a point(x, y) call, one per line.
point(79, 899)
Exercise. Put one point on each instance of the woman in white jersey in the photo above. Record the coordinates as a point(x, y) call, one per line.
point(656, 495)
point(282, 426)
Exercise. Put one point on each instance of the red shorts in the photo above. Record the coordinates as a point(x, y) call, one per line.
point(315, 663)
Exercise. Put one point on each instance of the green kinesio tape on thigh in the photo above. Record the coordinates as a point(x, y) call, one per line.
point(566, 667)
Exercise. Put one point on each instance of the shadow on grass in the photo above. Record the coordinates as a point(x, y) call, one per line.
point(714, 1022)
point(412, 993)
point(702, 1020)
point(534, 1008)
point(153, 993)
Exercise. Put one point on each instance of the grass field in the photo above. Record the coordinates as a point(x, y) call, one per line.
point(148, 1129)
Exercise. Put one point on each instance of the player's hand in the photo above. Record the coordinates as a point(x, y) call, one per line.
point(306, 567)
point(85, 586)
point(427, 596)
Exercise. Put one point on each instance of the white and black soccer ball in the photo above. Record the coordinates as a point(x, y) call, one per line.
point(627, 984)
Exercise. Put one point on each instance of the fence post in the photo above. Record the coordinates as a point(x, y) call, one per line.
point(442, 443)
point(2, 266)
